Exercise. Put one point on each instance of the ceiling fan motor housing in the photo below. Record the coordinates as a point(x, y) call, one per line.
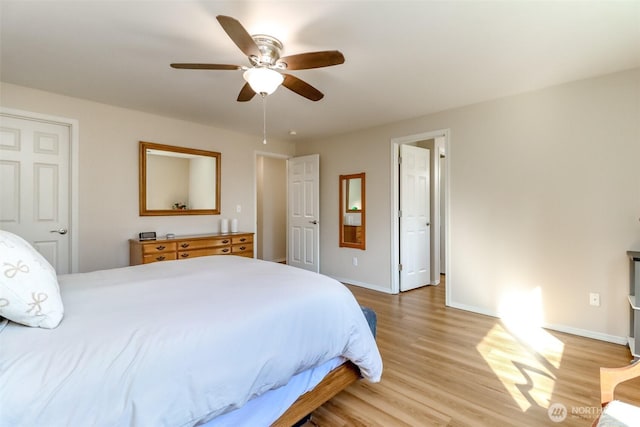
point(270, 48)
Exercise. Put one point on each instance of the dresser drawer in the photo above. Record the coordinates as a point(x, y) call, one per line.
point(158, 248)
point(221, 241)
point(243, 247)
point(200, 244)
point(166, 256)
point(203, 252)
point(241, 239)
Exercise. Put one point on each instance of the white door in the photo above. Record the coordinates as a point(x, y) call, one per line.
point(415, 236)
point(35, 186)
point(303, 229)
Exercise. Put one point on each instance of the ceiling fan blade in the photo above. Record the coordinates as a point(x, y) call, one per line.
point(305, 61)
point(239, 35)
point(207, 66)
point(246, 93)
point(302, 88)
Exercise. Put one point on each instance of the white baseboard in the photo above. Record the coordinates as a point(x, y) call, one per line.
point(472, 309)
point(559, 328)
point(587, 334)
point(362, 284)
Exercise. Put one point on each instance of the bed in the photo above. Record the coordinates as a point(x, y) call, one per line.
point(215, 341)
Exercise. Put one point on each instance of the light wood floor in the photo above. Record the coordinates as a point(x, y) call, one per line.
point(449, 367)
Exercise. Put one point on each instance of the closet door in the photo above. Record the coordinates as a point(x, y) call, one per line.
point(303, 209)
point(35, 185)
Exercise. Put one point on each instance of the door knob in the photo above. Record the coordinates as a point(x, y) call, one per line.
point(315, 221)
point(60, 230)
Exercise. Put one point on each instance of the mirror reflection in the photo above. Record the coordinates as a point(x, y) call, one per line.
point(354, 195)
point(178, 180)
point(352, 211)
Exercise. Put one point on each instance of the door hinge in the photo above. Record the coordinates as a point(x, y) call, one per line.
point(399, 267)
point(399, 160)
point(400, 213)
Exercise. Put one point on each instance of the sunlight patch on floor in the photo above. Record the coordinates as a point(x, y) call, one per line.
point(523, 356)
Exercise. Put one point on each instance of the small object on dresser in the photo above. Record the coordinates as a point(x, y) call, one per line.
point(147, 235)
point(224, 225)
point(234, 225)
point(171, 236)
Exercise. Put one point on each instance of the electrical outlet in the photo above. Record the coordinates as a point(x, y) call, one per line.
point(594, 299)
point(238, 208)
point(355, 261)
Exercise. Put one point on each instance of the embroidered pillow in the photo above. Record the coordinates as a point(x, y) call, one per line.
point(29, 292)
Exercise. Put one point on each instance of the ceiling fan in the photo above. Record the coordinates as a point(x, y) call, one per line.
point(266, 71)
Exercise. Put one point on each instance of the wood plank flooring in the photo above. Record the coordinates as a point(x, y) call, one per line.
point(448, 367)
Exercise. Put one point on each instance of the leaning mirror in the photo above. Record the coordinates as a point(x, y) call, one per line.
point(352, 211)
point(178, 180)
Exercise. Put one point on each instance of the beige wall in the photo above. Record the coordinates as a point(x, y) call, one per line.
point(366, 151)
point(545, 201)
point(108, 171)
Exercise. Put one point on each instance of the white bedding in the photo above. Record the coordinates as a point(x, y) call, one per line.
point(177, 343)
point(265, 409)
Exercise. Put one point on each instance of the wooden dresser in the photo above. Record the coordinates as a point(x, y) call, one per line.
point(183, 247)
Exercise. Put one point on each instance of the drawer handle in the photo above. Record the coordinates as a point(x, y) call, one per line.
point(242, 248)
point(160, 247)
point(225, 241)
point(184, 255)
point(160, 258)
point(225, 250)
point(243, 239)
point(185, 245)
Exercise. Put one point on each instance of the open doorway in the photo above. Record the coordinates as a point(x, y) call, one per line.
point(271, 207)
point(436, 143)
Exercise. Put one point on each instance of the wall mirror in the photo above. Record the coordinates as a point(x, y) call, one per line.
point(352, 211)
point(178, 180)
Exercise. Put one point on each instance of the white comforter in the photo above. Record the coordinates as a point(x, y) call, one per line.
point(176, 343)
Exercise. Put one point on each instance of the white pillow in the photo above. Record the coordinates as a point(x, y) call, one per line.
point(29, 292)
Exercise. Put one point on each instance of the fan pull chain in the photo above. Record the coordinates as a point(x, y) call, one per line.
point(264, 118)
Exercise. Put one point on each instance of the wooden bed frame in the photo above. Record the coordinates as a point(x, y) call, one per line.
point(336, 381)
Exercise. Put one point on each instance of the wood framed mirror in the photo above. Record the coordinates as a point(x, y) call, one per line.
point(352, 211)
point(178, 180)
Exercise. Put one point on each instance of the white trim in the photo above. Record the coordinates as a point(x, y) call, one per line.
point(447, 222)
point(394, 204)
point(559, 328)
point(362, 284)
point(74, 150)
point(472, 309)
point(587, 334)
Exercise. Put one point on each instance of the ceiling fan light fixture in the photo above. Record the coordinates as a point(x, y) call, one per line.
point(263, 80)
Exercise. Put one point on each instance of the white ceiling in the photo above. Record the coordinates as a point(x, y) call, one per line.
point(403, 59)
